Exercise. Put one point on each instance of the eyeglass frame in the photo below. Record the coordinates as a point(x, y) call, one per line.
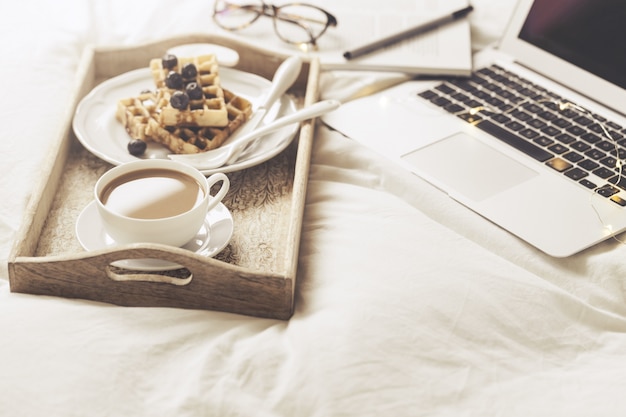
point(271, 10)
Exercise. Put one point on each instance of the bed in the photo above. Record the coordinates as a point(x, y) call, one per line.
point(406, 303)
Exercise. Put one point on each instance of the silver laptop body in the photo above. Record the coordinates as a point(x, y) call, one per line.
point(523, 195)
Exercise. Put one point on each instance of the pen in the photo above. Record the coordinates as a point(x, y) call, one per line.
point(405, 34)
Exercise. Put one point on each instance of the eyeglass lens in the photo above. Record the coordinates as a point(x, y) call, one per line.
point(234, 14)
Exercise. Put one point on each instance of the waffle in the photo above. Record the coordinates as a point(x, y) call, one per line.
point(135, 112)
point(208, 109)
point(141, 119)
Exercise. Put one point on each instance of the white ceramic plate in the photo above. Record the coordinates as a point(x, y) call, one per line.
point(210, 240)
point(97, 129)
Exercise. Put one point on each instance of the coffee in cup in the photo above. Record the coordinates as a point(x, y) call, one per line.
point(156, 201)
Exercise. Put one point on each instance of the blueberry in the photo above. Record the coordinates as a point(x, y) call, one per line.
point(179, 100)
point(137, 147)
point(169, 61)
point(189, 71)
point(194, 91)
point(174, 80)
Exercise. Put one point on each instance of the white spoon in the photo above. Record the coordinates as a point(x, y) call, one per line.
point(284, 77)
point(220, 156)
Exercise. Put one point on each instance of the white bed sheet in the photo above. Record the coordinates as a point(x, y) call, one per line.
point(407, 304)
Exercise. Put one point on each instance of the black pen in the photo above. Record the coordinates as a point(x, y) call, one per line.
point(408, 33)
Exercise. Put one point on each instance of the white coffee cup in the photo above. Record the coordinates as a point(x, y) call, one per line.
point(156, 201)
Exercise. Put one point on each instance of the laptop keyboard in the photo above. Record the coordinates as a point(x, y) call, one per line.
point(584, 147)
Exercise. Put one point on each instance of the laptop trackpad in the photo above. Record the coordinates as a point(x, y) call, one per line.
point(463, 165)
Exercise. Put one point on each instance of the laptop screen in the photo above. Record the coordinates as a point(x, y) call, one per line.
point(590, 34)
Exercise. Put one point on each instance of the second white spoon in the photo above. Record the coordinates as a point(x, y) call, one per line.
point(220, 156)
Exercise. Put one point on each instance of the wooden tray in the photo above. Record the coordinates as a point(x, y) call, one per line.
point(254, 275)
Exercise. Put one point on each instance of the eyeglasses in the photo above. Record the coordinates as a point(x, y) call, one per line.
point(294, 23)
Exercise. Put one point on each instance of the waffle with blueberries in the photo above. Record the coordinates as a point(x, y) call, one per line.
point(143, 116)
point(191, 91)
point(196, 139)
point(140, 117)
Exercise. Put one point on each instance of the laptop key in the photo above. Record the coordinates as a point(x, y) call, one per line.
point(460, 97)
point(532, 107)
point(562, 123)
point(619, 180)
point(494, 102)
point(550, 130)
point(603, 172)
point(618, 150)
point(547, 115)
point(483, 95)
point(492, 87)
point(537, 124)
point(606, 146)
point(590, 138)
point(528, 133)
point(576, 130)
point(518, 143)
point(557, 148)
point(570, 114)
point(445, 89)
point(565, 138)
point(507, 95)
point(440, 101)
point(609, 161)
point(521, 115)
point(580, 146)
point(607, 190)
point(613, 125)
point(559, 164)
point(514, 125)
point(588, 164)
point(428, 94)
point(596, 127)
point(584, 121)
point(573, 156)
point(619, 200)
point(588, 184)
point(576, 174)
point(470, 118)
point(595, 154)
point(464, 84)
point(501, 118)
point(453, 108)
point(472, 104)
point(543, 141)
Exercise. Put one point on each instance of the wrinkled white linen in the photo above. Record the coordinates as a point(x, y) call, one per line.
point(407, 304)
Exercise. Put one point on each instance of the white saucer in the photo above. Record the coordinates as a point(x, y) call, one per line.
point(210, 240)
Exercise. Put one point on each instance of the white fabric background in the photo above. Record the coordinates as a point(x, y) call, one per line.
point(407, 304)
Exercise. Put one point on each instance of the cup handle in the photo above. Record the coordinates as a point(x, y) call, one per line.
point(214, 200)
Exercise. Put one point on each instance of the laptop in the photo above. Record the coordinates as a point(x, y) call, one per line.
point(553, 180)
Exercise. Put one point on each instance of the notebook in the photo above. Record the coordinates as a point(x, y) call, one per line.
point(445, 50)
point(537, 178)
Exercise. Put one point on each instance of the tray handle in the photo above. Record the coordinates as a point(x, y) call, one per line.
point(104, 261)
point(148, 277)
point(209, 284)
